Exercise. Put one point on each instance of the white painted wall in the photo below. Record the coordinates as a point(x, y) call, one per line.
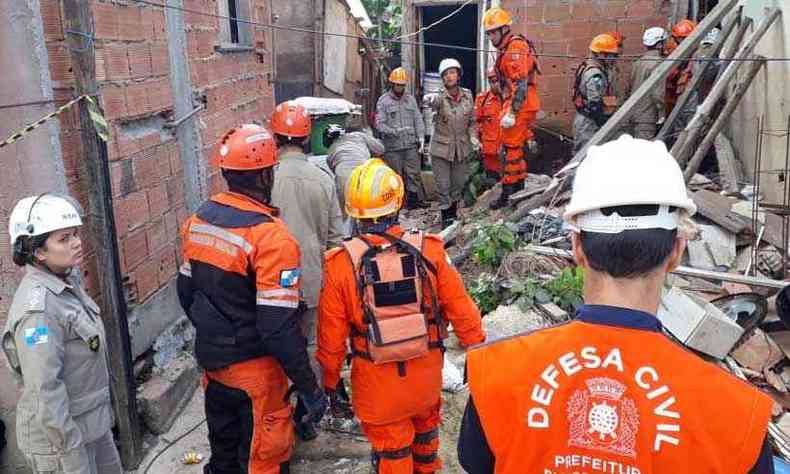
point(768, 96)
point(335, 46)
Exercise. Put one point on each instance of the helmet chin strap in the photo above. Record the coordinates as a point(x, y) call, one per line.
point(377, 226)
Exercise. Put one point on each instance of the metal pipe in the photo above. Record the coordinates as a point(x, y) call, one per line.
point(177, 123)
point(681, 270)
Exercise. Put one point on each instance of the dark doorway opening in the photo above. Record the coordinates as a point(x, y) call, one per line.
point(459, 30)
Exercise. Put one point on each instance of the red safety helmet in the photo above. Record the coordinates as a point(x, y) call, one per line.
point(291, 120)
point(683, 29)
point(246, 148)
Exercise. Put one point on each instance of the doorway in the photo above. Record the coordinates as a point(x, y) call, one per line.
point(459, 30)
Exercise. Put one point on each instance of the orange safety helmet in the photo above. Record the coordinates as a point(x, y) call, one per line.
point(617, 37)
point(399, 76)
point(291, 120)
point(605, 43)
point(496, 17)
point(683, 29)
point(373, 190)
point(246, 148)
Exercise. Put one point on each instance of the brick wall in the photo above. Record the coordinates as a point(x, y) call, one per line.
point(132, 69)
point(566, 27)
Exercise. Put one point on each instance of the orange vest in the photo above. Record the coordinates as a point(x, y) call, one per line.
point(488, 108)
point(597, 398)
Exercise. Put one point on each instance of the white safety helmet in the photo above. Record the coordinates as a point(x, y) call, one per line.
point(42, 214)
point(449, 63)
point(625, 172)
point(712, 37)
point(653, 35)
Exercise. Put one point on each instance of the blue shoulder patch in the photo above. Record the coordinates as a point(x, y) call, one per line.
point(289, 278)
point(37, 335)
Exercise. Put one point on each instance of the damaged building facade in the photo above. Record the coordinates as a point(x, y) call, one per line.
point(170, 82)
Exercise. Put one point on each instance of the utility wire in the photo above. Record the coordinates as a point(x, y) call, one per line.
point(437, 22)
point(624, 58)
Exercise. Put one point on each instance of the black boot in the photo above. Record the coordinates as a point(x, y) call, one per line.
point(502, 201)
point(413, 202)
point(306, 430)
point(449, 215)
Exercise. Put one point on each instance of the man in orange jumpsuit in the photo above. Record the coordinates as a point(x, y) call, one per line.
point(680, 75)
point(398, 402)
point(239, 285)
point(517, 69)
point(488, 110)
point(608, 391)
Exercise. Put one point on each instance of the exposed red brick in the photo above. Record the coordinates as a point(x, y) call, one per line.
point(139, 59)
point(90, 273)
point(551, 33)
point(60, 63)
point(175, 190)
point(71, 148)
point(160, 62)
point(113, 101)
point(159, 24)
point(583, 10)
point(632, 30)
point(146, 279)
point(172, 225)
point(117, 62)
point(158, 201)
point(554, 47)
point(556, 12)
point(50, 16)
point(158, 236)
point(167, 264)
point(135, 208)
point(160, 96)
point(614, 9)
point(130, 23)
point(577, 29)
point(137, 98)
point(135, 248)
point(101, 68)
point(146, 174)
point(105, 17)
point(641, 9)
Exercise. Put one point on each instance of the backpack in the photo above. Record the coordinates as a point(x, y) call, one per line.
point(392, 280)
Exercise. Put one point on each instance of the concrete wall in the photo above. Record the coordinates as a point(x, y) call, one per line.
point(30, 166)
point(768, 97)
point(296, 51)
point(152, 67)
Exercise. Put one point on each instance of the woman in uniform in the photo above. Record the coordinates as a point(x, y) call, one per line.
point(55, 343)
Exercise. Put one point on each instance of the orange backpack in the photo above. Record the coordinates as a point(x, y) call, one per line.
point(392, 279)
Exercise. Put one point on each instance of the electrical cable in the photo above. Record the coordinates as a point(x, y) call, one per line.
point(624, 58)
point(437, 22)
point(171, 444)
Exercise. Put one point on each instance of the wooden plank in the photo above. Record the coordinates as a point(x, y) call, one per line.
point(773, 231)
point(718, 209)
point(722, 120)
point(626, 111)
point(696, 80)
point(77, 17)
point(729, 165)
point(697, 125)
point(526, 194)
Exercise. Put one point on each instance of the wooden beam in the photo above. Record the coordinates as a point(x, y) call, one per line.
point(696, 81)
point(698, 123)
point(627, 110)
point(78, 18)
point(680, 54)
point(721, 120)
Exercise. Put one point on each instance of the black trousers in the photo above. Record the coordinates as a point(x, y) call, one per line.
point(230, 428)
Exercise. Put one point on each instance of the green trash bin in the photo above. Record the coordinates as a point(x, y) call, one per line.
point(320, 124)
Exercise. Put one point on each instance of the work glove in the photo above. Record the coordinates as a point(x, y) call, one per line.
point(532, 146)
point(661, 121)
point(316, 405)
point(508, 120)
point(475, 144)
point(421, 148)
point(340, 408)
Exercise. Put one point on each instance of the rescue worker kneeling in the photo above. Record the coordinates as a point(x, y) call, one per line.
point(391, 292)
point(608, 392)
point(239, 285)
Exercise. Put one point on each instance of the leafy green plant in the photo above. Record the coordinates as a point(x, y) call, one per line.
point(485, 292)
point(566, 288)
point(491, 242)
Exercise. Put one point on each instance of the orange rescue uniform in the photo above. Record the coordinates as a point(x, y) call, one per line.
point(679, 77)
point(399, 410)
point(515, 63)
point(609, 393)
point(239, 285)
point(488, 112)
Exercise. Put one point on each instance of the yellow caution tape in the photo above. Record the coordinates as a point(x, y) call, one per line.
point(99, 122)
